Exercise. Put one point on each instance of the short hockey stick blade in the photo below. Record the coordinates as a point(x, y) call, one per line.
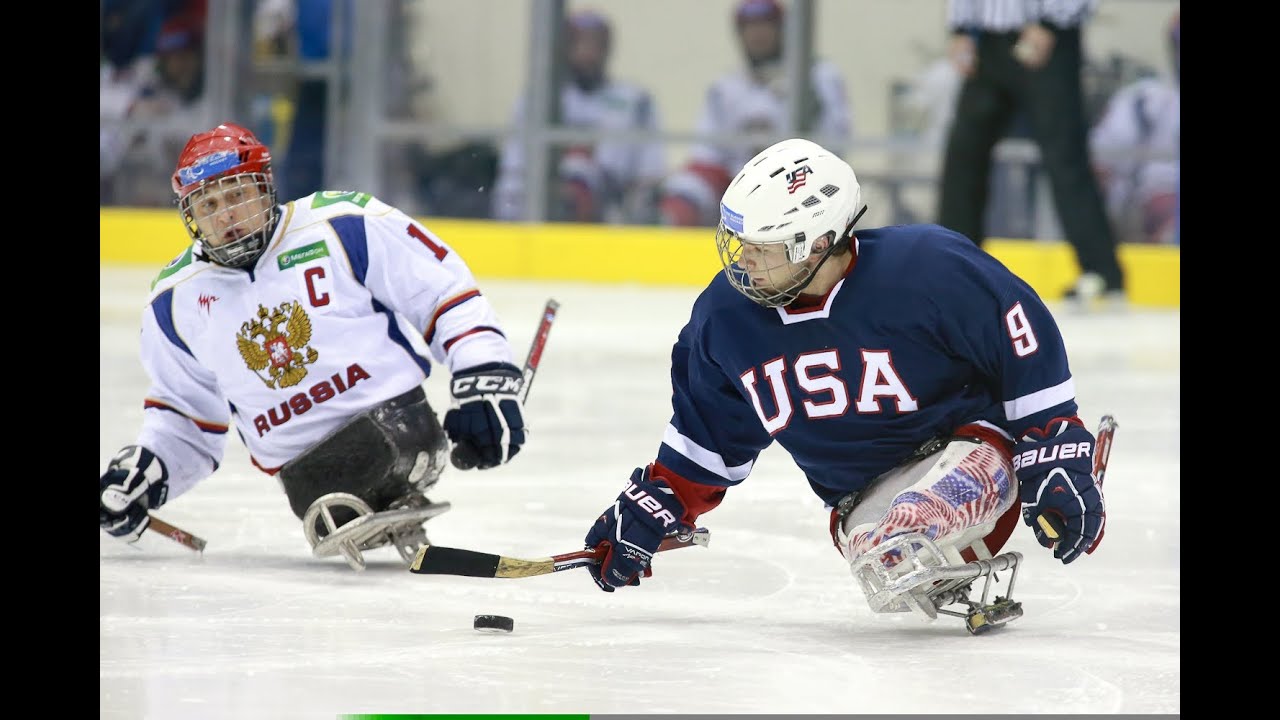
point(437, 560)
point(1052, 525)
point(176, 535)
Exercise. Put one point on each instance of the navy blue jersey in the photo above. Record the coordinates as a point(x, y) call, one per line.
point(925, 333)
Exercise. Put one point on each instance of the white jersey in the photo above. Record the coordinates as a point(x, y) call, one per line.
point(1142, 118)
point(314, 333)
point(742, 102)
point(613, 106)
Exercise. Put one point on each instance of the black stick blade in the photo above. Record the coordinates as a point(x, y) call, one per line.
point(436, 560)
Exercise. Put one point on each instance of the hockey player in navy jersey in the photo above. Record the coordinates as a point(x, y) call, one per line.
point(288, 321)
point(921, 386)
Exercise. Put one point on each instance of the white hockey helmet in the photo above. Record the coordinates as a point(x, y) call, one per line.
point(789, 195)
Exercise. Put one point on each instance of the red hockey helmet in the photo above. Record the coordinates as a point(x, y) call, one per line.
point(238, 213)
point(228, 149)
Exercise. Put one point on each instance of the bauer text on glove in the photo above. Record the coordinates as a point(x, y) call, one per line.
point(1055, 475)
point(631, 530)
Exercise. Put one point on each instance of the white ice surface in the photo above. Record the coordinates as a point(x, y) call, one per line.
point(767, 619)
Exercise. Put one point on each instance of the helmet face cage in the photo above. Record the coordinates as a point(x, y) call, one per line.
point(766, 272)
point(231, 217)
point(226, 194)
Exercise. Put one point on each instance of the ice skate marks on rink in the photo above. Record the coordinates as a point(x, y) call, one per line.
point(767, 619)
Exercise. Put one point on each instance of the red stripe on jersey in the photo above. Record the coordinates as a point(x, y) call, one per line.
point(269, 471)
point(445, 307)
point(482, 328)
point(202, 424)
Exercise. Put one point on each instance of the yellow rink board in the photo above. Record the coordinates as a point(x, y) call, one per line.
point(639, 255)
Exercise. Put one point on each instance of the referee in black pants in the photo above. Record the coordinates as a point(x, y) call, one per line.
point(1026, 54)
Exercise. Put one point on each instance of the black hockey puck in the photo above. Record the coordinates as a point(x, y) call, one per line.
point(494, 624)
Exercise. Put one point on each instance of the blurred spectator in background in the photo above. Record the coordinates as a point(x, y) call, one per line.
point(751, 99)
point(1135, 152)
point(303, 28)
point(125, 60)
point(456, 181)
point(1027, 54)
point(178, 86)
point(153, 80)
point(920, 112)
point(125, 65)
point(607, 181)
point(930, 98)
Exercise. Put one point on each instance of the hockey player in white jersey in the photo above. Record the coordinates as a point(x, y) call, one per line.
point(612, 180)
point(288, 321)
point(1135, 147)
point(750, 99)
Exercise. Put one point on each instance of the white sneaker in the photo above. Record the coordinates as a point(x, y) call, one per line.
point(1090, 294)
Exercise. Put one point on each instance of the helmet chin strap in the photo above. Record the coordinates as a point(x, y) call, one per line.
point(839, 244)
point(798, 290)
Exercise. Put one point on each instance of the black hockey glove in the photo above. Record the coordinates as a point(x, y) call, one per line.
point(631, 530)
point(1055, 475)
point(486, 422)
point(135, 481)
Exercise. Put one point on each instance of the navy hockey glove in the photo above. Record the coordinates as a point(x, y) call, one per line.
point(135, 481)
point(486, 422)
point(631, 529)
point(1055, 475)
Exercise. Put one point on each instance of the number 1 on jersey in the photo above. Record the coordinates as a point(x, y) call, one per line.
point(425, 239)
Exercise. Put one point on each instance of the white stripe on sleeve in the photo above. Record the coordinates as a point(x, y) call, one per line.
point(702, 457)
point(1019, 408)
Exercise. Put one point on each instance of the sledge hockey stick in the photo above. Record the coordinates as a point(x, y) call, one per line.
point(465, 459)
point(539, 343)
point(173, 533)
point(1053, 526)
point(436, 560)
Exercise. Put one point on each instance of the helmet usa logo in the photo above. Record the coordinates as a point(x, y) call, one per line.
point(797, 178)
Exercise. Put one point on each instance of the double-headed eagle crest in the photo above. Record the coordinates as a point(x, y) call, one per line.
point(282, 353)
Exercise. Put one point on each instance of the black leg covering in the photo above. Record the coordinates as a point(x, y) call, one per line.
point(372, 457)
